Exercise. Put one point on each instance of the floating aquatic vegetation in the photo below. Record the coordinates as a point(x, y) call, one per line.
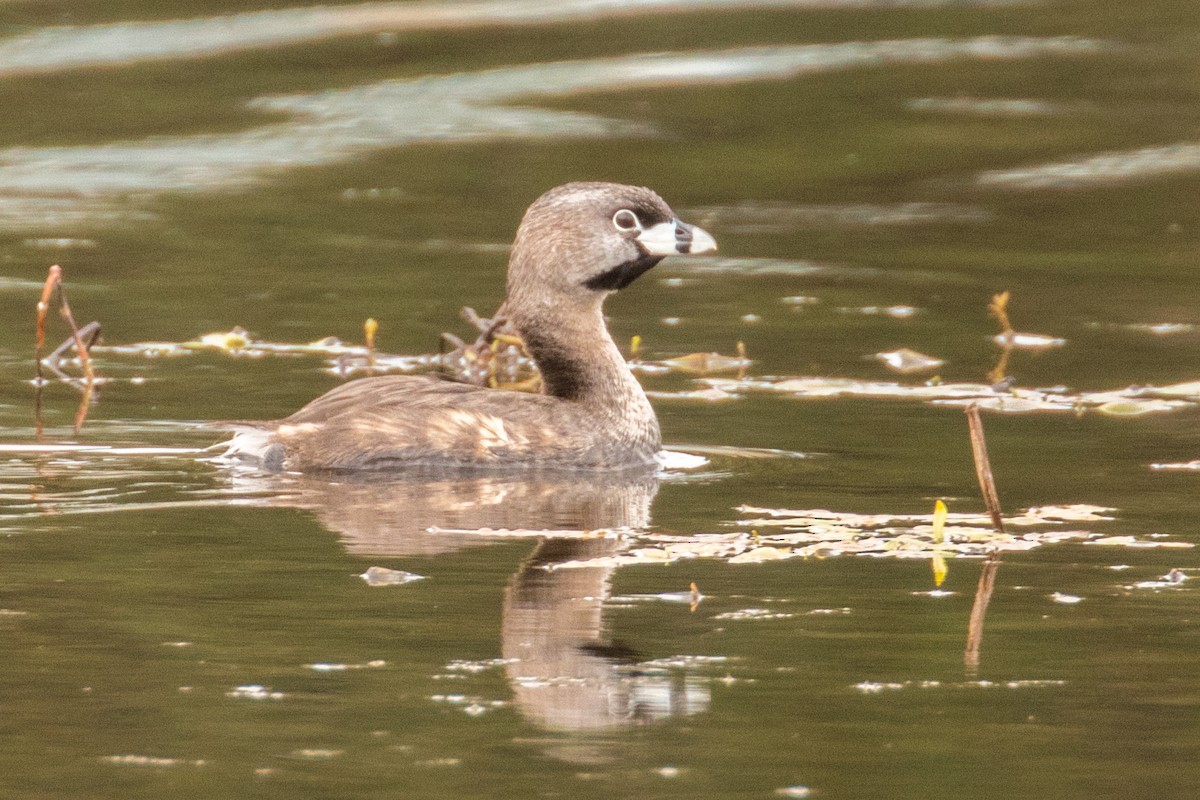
point(906, 361)
point(496, 358)
point(1131, 541)
point(1129, 401)
point(821, 533)
point(1172, 580)
point(757, 555)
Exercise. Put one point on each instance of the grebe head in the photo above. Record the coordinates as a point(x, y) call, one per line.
point(582, 241)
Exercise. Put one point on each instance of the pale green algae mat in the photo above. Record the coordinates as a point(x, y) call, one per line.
point(232, 188)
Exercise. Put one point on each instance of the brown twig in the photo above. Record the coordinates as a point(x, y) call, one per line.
point(53, 278)
point(983, 467)
point(64, 311)
point(54, 283)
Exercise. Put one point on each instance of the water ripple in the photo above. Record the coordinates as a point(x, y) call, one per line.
point(59, 48)
point(1100, 169)
point(336, 125)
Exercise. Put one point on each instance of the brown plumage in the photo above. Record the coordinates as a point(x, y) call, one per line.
point(576, 245)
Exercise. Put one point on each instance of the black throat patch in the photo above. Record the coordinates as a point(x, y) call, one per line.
point(622, 275)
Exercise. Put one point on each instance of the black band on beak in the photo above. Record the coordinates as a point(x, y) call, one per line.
point(683, 237)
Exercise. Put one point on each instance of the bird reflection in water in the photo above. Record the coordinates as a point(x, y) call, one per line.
point(565, 673)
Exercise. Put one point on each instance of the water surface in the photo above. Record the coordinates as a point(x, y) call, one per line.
point(174, 626)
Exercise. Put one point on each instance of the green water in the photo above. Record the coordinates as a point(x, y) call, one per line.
point(139, 592)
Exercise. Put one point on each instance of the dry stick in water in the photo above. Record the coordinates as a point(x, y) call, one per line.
point(39, 341)
point(987, 578)
point(53, 282)
point(983, 467)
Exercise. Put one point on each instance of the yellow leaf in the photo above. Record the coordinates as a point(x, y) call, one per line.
point(939, 522)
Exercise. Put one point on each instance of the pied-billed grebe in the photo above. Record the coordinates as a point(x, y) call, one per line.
point(577, 244)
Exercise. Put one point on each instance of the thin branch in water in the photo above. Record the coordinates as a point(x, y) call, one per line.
point(54, 283)
point(983, 467)
point(991, 499)
point(64, 310)
point(53, 279)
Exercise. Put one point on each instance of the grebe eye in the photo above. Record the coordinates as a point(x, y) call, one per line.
point(626, 220)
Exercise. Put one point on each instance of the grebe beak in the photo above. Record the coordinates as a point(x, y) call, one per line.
point(676, 237)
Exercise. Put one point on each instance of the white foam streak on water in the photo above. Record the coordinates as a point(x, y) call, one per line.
point(339, 124)
point(1105, 168)
point(59, 48)
point(100, 450)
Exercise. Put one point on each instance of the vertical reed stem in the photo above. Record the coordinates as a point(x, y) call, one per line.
point(983, 467)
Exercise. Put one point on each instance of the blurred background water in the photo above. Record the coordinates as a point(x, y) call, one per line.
point(170, 626)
